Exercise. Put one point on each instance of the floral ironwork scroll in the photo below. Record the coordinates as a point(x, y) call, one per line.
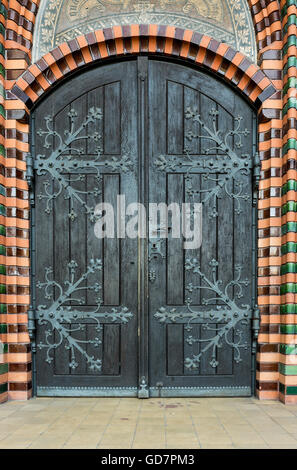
point(61, 317)
point(64, 167)
point(228, 162)
point(229, 314)
point(221, 163)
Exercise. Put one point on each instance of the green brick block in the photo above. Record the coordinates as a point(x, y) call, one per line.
point(292, 19)
point(2, 29)
point(286, 6)
point(288, 308)
point(290, 145)
point(289, 227)
point(3, 308)
point(289, 206)
point(288, 349)
point(2, 71)
point(2, 150)
point(2, 90)
point(288, 288)
point(2, 289)
point(290, 185)
point(292, 61)
point(3, 388)
point(288, 329)
point(291, 103)
point(289, 247)
point(3, 10)
point(286, 369)
point(2, 111)
point(3, 369)
point(291, 41)
point(288, 268)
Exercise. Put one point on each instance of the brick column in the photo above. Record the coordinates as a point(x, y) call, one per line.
point(19, 32)
point(3, 316)
point(268, 28)
point(276, 303)
point(288, 346)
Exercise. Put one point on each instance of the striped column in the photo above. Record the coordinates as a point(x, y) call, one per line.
point(3, 315)
point(275, 303)
point(267, 23)
point(19, 31)
point(288, 340)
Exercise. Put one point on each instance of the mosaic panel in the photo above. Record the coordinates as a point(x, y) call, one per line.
point(225, 20)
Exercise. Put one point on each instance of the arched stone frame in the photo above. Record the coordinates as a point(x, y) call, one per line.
point(120, 41)
point(266, 17)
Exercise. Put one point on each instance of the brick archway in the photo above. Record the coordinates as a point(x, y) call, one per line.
point(270, 23)
point(124, 41)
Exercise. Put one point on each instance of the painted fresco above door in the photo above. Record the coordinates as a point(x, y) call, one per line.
point(225, 20)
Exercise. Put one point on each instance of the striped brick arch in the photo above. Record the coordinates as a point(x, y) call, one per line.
point(121, 41)
point(262, 85)
point(168, 41)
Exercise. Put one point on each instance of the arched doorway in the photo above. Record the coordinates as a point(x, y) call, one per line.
point(142, 315)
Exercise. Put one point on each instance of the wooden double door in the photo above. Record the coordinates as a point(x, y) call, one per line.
point(145, 315)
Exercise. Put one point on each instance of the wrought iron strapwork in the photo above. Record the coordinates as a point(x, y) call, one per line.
point(228, 313)
point(59, 316)
point(221, 315)
point(63, 166)
point(227, 162)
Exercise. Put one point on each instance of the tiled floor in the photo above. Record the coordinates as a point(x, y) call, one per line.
point(147, 424)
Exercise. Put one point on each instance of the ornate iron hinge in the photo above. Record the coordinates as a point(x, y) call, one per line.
point(229, 314)
point(223, 156)
point(255, 327)
point(63, 164)
point(30, 178)
point(256, 176)
point(58, 316)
